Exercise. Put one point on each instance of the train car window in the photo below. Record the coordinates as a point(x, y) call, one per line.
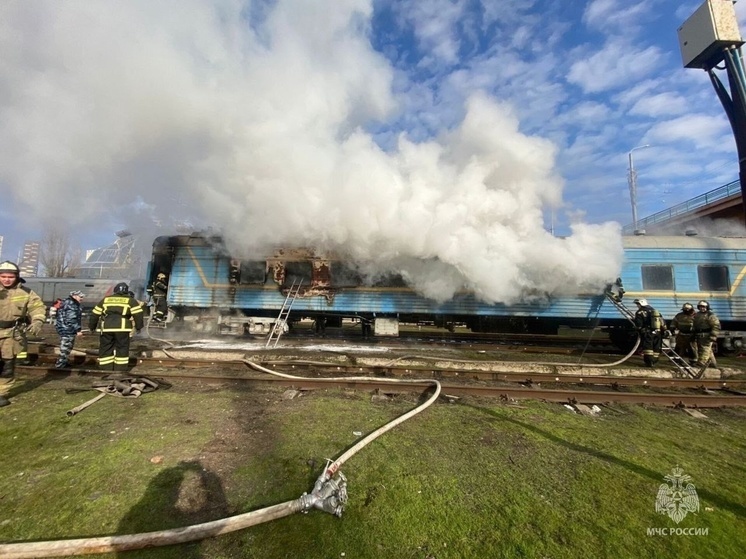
point(713, 278)
point(298, 271)
point(253, 272)
point(657, 278)
point(345, 275)
point(389, 280)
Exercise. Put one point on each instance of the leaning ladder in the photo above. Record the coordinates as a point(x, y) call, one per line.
point(282, 319)
point(685, 369)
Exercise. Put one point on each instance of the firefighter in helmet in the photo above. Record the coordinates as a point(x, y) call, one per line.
point(22, 313)
point(706, 329)
point(683, 326)
point(158, 291)
point(113, 317)
point(652, 327)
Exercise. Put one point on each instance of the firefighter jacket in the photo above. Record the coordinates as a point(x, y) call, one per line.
point(647, 318)
point(683, 322)
point(116, 313)
point(69, 318)
point(157, 289)
point(707, 323)
point(19, 305)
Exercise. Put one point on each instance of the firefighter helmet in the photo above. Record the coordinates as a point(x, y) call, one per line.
point(641, 302)
point(161, 276)
point(121, 289)
point(688, 308)
point(9, 267)
point(704, 304)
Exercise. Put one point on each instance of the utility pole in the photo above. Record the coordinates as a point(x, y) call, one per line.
point(632, 180)
point(709, 37)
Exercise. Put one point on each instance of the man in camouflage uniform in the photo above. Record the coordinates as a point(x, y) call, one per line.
point(683, 325)
point(68, 323)
point(706, 330)
point(22, 312)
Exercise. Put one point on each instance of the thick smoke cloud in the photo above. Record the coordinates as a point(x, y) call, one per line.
point(254, 118)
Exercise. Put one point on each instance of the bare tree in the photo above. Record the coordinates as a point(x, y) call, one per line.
point(56, 254)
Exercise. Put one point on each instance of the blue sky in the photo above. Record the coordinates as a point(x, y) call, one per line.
point(447, 131)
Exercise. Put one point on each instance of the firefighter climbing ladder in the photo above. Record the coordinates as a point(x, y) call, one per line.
point(685, 369)
point(282, 319)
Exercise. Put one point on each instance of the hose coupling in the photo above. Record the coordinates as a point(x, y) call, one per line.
point(329, 496)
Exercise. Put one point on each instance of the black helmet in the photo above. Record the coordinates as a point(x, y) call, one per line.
point(121, 289)
point(703, 304)
point(688, 308)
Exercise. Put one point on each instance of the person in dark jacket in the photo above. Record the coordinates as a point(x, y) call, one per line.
point(68, 322)
point(683, 326)
point(158, 291)
point(651, 326)
point(113, 316)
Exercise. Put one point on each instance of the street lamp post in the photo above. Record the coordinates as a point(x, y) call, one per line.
point(632, 180)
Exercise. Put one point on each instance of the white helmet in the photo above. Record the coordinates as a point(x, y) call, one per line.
point(641, 302)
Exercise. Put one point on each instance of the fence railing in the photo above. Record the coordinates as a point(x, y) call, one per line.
point(685, 207)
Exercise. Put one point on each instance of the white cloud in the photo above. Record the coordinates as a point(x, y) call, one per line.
point(696, 130)
point(660, 105)
point(616, 65)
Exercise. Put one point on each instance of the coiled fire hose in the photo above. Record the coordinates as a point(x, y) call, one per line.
point(329, 494)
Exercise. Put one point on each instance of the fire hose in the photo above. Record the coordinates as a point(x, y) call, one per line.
point(329, 494)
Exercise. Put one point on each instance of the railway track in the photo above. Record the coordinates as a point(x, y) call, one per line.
point(685, 393)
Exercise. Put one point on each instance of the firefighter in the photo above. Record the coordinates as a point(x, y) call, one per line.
point(683, 325)
point(113, 318)
point(652, 327)
point(158, 290)
point(22, 313)
point(706, 329)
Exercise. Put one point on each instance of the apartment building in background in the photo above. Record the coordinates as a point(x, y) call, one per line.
point(29, 264)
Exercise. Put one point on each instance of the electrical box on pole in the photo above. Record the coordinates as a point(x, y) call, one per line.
point(710, 40)
point(710, 29)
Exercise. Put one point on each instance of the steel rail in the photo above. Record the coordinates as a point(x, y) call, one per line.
point(527, 378)
point(384, 385)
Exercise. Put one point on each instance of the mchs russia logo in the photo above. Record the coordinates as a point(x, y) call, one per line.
point(677, 497)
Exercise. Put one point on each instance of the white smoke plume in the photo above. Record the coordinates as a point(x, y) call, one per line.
point(254, 118)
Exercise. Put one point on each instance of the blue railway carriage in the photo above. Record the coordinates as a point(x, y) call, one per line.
point(671, 271)
point(211, 292)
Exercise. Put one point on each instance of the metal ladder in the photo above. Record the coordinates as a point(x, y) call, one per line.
point(685, 369)
point(282, 319)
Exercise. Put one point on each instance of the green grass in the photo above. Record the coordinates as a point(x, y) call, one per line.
point(468, 479)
